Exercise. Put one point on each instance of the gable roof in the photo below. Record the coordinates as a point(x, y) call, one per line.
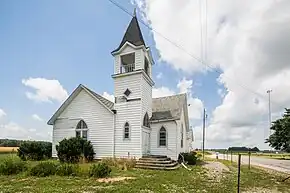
point(133, 35)
point(170, 108)
point(106, 103)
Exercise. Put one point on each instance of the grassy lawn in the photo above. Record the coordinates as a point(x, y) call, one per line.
point(199, 179)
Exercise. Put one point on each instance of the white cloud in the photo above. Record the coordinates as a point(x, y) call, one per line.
point(184, 85)
point(2, 113)
point(45, 90)
point(12, 130)
point(221, 93)
point(108, 96)
point(37, 117)
point(159, 75)
point(162, 92)
point(248, 41)
point(195, 104)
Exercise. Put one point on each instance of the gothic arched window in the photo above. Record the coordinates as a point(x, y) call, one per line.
point(162, 137)
point(82, 130)
point(146, 121)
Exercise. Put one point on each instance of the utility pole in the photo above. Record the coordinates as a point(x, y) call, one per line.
point(203, 132)
point(270, 116)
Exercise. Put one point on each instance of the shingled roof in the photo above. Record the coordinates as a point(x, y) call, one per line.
point(133, 35)
point(169, 108)
point(103, 100)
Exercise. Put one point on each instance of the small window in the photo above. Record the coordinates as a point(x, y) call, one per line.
point(146, 121)
point(82, 130)
point(126, 131)
point(162, 137)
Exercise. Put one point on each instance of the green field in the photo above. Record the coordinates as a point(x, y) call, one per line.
point(200, 179)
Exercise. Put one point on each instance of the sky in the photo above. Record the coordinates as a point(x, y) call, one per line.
point(225, 54)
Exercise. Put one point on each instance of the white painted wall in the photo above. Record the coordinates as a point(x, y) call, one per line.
point(98, 119)
point(132, 82)
point(128, 112)
point(171, 148)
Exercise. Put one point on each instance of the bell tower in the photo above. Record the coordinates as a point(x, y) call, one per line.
point(132, 90)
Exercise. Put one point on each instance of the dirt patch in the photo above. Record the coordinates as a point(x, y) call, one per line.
point(115, 179)
point(261, 190)
point(216, 170)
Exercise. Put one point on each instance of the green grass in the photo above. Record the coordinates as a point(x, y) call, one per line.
point(181, 180)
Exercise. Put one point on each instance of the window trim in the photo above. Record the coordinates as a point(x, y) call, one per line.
point(147, 119)
point(82, 129)
point(129, 131)
point(166, 137)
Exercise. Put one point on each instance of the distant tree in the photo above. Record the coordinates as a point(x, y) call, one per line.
point(255, 149)
point(280, 139)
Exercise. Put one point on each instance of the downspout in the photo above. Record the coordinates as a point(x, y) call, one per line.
point(114, 131)
point(176, 140)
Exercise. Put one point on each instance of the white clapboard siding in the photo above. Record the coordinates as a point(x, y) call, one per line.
point(128, 112)
point(98, 119)
point(132, 82)
point(146, 102)
point(170, 150)
point(61, 130)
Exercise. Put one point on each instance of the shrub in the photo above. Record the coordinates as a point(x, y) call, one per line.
point(12, 165)
point(67, 170)
point(189, 158)
point(99, 170)
point(34, 150)
point(71, 150)
point(44, 168)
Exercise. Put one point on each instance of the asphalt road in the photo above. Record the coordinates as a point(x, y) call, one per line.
point(275, 164)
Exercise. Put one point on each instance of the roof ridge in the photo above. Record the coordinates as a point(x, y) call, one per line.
point(179, 94)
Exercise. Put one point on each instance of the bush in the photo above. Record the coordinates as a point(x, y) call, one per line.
point(44, 168)
point(67, 170)
point(100, 170)
point(189, 158)
point(34, 150)
point(12, 165)
point(121, 163)
point(71, 150)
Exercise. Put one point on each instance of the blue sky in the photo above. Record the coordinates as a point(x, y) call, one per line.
point(71, 41)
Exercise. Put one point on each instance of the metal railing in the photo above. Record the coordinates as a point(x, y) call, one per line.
point(127, 68)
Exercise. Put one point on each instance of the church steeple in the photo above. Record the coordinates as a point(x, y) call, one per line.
point(133, 34)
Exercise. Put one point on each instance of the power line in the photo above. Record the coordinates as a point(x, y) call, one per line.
point(190, 54)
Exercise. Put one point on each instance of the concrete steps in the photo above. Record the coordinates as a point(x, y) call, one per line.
point(156, 162)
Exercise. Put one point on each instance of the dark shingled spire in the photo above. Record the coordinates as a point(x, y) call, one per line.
point(133, 34)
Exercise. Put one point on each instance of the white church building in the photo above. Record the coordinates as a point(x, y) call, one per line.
point(135, 124)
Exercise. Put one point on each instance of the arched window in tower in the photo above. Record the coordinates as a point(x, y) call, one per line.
point(82, 130)
point(126, 131)
point(162, 137)
point(146, 122)
point(146, 66)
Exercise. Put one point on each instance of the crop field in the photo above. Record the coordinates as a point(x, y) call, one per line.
point(8, 149)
